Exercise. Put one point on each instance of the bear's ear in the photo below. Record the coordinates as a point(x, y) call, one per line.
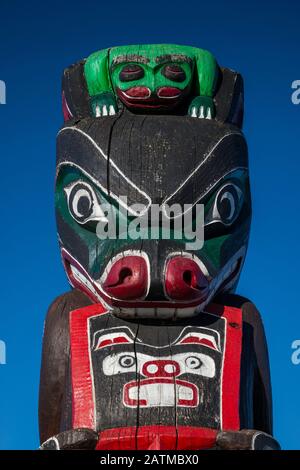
point(75, 97)
point(229, 99)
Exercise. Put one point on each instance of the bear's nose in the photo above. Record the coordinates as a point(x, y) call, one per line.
point(184, 279)
point(127, 279)
point(161, 368)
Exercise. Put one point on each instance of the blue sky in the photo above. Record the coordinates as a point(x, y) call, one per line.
point(37, 40)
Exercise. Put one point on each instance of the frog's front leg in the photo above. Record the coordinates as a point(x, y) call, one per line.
point(202, 107)
point(104, 104)
point(102, 98)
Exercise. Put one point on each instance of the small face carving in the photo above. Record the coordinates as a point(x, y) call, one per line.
point(156, 83)
point(153, 371)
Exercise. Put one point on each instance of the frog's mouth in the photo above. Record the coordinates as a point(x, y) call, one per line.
point(143, 97)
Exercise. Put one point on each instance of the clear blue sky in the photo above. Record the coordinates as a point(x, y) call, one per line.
point(37, 40)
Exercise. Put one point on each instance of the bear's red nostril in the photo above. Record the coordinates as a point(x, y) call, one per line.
point(124, 277)
point(189, 278)
point(127, 278)
point(184, 280)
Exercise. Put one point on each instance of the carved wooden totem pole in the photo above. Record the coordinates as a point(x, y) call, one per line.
point(151, 349)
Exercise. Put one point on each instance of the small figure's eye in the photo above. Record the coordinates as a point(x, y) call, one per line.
point(83, 203)
point(193, 362)
point(227, 204)
point(131, 72)
point(126, 361)
point(174, 72)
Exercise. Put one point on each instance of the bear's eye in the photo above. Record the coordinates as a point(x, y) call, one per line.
point(131, 72)
point(227, 204)
point(174, 72)
point(193, 362)
point(126, 361)
point(83, 203)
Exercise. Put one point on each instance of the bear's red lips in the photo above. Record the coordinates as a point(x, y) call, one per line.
point(160, 391)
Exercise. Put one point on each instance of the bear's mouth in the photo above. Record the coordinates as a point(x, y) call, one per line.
point(160, 391)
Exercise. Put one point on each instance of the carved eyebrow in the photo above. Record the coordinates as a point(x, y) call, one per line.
point(113, 336)
point(201, 339)
point(199, 335)
point(173, 58)
point(113, 339)
point(129, 58)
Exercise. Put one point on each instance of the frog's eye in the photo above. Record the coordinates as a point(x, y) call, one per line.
point(83, 203)
point(227, 204)
point(131, 72)
point(174, 72)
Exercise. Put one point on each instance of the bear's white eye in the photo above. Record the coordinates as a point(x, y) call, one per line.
point(83, 203)
point(227, 204)
point(126, 361)
point(193, 362)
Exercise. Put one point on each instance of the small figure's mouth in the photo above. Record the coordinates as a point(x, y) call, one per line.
point(136, 93)
point(142, 97)
point(169, 92)
point(160, 391)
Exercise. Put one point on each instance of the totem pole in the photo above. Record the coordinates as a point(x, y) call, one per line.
point(151, 349)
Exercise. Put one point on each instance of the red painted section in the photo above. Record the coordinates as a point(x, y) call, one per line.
point(128, 278)
point(184, 280)
point(163, 368)
point(232, 364)
point(83, 402)
point(196, 340)
point(110, 342)
point(157, 438)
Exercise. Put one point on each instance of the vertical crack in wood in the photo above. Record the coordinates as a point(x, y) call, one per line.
point(108, 153)
point(137, 378)
point(111, 384)
point(142, 122)
point(175, 394)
